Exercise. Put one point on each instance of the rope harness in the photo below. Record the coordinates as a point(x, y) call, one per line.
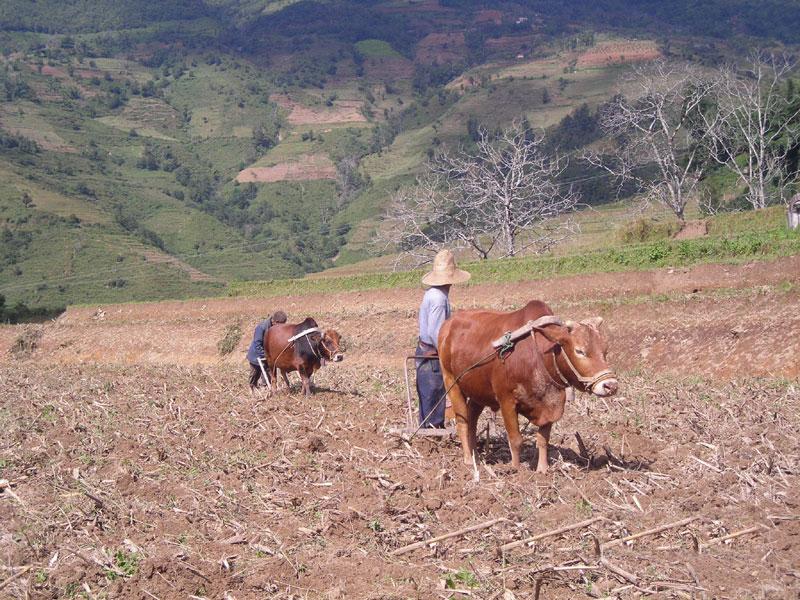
point(305, 333)
point(588, 382)
point(503, 346)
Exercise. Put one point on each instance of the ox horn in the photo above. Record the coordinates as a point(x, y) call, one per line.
point(594, 322)
point(570, 325)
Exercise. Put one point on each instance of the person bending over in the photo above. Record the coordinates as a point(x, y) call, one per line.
point(256, 350)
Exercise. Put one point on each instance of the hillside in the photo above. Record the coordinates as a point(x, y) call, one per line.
point(160, 150)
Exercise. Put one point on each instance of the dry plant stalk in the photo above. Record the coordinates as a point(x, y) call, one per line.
point(654, 530)
point(547, 534)
point(446, 536)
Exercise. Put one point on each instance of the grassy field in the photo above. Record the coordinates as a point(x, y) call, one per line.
point(763, 244)
point(376, 49)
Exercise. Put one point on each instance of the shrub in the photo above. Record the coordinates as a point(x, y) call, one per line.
point(229, 341)
point(647, 230)
point(27, 342)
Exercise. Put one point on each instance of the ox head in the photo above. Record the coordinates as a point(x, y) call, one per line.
point(332, 346)
point(582, 360)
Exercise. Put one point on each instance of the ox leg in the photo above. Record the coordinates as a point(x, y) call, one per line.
point(511, 421)
point(306, 378)
point(474, 411)
point(461, 412)
point(542, 442)
point(273, 375)
point(285, 380)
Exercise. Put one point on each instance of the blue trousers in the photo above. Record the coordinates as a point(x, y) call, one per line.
point(430, 387)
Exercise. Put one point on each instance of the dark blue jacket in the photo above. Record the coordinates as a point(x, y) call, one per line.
point(256, 350)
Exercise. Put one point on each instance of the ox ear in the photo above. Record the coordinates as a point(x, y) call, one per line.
point(594, 322)
point(555, 332)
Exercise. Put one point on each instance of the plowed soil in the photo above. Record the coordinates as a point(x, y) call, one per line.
point(437, 48)
point(306, 167)
point(342, 111)
point(619, 52)
point(137, 465)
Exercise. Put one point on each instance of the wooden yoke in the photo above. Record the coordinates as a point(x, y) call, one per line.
point(510, 337)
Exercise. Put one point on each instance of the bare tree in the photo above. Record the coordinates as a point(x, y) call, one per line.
point(502, 198)
point(416, 222)
point(656, 137)
point(754, 125)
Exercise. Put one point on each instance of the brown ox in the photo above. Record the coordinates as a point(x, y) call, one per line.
point(533, 379)
point(306, 353)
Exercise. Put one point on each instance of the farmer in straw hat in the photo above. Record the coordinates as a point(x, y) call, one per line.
point(434, 310)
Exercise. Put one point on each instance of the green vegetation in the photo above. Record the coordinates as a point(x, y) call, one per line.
point(647, 230)
point(124, 127)
point(20, 312)
point(126, 564)
point(375, 49)
point(663, 253)
point(460, 579)
point(231, 339)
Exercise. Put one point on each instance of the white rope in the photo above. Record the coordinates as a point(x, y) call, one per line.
point(306, 332)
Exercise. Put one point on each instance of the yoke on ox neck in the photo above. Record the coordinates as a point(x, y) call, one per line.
point(305, 332)
point(513, 336)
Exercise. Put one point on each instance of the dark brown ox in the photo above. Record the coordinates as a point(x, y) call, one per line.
point(533, 379)
point(305, 354)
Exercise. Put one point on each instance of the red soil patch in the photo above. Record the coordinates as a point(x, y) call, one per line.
point(389, 69)
point(89, 73)
point(615, 53)
point(308, 166)
point(441, 48)
point(56, 72)
point(342, 111)
point(691, 230)
point(44, 94)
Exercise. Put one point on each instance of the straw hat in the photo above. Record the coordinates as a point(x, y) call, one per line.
point(444, 271)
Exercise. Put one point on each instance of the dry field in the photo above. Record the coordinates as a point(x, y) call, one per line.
point(342, 111)
point(151, 117)
point(618, 52)
point(29, 123)
point(137, 465)
point(438, 48)
point(303, 168)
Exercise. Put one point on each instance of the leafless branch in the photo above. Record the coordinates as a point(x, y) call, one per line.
point(656, 136)
point(754, 125)
point(501, 198)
